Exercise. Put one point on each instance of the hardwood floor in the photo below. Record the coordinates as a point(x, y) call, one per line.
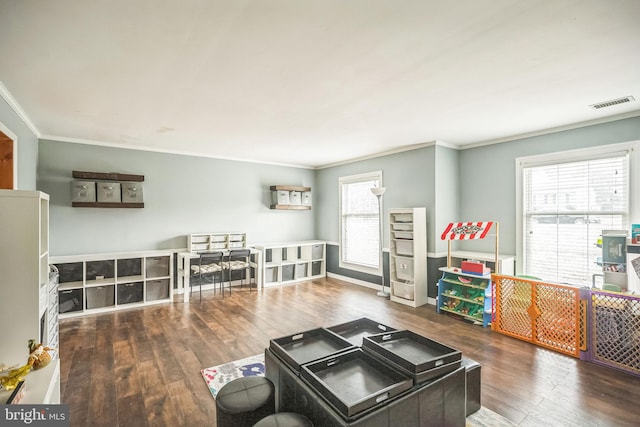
point(142, 366)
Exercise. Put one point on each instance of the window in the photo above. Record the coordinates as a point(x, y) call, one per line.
point(360, 222)
point(565, 203)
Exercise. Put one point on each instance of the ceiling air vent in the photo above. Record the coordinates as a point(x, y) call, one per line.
point(612, 102)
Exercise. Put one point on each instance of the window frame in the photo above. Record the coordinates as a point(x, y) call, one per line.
point(352, 179)
point(632, 148)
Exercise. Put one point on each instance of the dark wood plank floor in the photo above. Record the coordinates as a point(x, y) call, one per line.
point(142, 366)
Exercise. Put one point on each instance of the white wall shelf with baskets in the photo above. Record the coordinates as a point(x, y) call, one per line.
point(408, 255)
point(220, 241)
point(105, 282)
point(290, 197)
point(292, 262)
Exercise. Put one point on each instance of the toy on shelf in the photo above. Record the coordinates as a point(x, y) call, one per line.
point(39, 357)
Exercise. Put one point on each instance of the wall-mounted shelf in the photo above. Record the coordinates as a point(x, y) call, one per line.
point(109, 176)
point(290, 197)
point(291, 207)
point(106, 205)
point(100, 190)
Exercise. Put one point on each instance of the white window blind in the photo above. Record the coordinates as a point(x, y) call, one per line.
point(359, 222)
point(565, 208)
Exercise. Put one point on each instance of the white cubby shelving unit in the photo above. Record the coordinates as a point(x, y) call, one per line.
point(408, 255)
point(292, 262)
point(28, 297)
point(105, 282)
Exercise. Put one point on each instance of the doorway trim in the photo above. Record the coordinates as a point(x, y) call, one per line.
point(12, 136)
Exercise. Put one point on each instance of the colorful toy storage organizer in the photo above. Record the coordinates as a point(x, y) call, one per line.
point(466, 291)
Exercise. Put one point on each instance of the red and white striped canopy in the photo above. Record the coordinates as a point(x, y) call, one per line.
point(466, 230)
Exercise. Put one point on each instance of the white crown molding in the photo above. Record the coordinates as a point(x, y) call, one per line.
point(578, 125)
point(161, 150)
point(6, 95)
point(382, 154)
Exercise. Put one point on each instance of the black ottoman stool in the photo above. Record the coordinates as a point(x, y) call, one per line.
point(284, 419)
point(472, 369)
point(244, 402)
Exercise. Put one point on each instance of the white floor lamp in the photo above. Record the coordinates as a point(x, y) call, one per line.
point(378, 192)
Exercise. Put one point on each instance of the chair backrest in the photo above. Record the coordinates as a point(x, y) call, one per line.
point(239, 254)
point(207, 258)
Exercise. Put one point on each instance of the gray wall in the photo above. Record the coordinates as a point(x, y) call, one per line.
point(487, 174)
point(27, 146)
point(407, 176)
point(182, 194)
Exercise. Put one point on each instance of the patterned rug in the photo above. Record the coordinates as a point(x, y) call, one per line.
point(217, 376)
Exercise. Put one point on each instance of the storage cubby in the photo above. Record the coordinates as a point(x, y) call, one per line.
point(104, 282)
point(408, 256)
point(292, 262)
point(220, 241)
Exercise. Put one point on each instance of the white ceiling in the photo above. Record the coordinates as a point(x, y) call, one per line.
point(313, 83)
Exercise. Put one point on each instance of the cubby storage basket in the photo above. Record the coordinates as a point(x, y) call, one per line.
point(157, 289)
point(404, 247)
point(418, 356)
point(355, 330)
point(404, 268)
point(354, 381)
point(297, 349)
point(403, 290)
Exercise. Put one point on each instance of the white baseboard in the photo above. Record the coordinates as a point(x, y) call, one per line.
point(430, 301)
point(354, 281)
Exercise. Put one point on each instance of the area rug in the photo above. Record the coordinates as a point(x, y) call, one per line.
point(219, 375)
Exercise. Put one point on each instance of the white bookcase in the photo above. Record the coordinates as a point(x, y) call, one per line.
point(27, 296)
point(292, 262)
point(105, 282)
point(408, 255)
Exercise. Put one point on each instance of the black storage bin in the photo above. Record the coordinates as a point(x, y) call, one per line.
point(354, 381)
point(355, 330)
point(308, 346)
point(288, 272)
point(70, 272)
point(316, 268)
point(70, 300)
point(100, 296)
point(129, 293)
point(420, 357)
point(97, 270)
point(129, 267)
point(435, 403)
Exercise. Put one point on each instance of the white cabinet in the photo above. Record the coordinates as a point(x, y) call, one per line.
point(27, 298)
point(292, 262)
point(105, 282)
point(408, 255)
point(209, 242)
